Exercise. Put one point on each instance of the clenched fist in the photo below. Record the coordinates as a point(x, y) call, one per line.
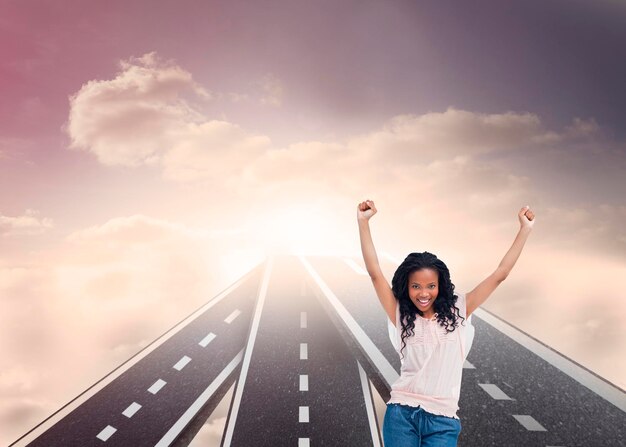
point(526, 217)
point(365, 210)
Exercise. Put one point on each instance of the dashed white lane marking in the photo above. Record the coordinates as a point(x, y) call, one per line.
point(304, 442)
point(304, 382)
point(199, 403)
point(354, 266)
point(131, 410)
point(494, 391)
point(208, 339)
point(529, 422)
point(304, 351)
point(303, 320)
point(156, 386)
point(381, 364)
point(254, 328)
point(369, 406)
point(303, 415)
point(106, 433)
point(182, 362)
point(468, 365)
point(229, 319)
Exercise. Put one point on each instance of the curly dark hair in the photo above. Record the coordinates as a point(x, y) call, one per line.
point(444, 304)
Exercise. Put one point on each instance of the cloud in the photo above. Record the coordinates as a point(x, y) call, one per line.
point(314, 163)
point(214, 150)
point(89, 299)
point(100, 281)
point(238, 97)
point(18, 415)
point(440, 150)
point(27, 224)
point(273, 90)
point(582, 128)
point(140, 117)
point(15, 149)
point(132, 119)
point(598, 227)
point(210, 434)
point(136, 230)
point(440, 135)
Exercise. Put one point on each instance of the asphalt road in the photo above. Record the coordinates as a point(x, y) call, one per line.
point(303, 387)
point(147, 401)
point(302, 338)
point(509, 395)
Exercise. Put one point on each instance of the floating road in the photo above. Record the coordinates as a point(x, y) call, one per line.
point(300, 384)
point(302, 339)
point(155, 399)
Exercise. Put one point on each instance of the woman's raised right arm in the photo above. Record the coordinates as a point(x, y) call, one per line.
point(365, 210)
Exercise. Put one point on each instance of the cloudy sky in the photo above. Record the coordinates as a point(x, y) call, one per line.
point(153, 152)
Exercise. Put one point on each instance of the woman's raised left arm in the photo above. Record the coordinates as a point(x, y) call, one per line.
point(482, 291)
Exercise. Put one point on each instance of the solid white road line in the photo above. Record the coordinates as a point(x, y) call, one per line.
point(182, 362)
point(304, 382)
point(599, 386)
point(191, 412)
point(303, 414)
point(106, 433)
point(206, 340)
point(387, 371)
point(494, 391)
point(303, 321)
point(369, 406)
point(304, 351)
point(232, 420)
point(354, 266)
point(229, 319)
point(468, 365)
point(156, 386)
point(304, 442)
point(131, 410)
point(529, 422)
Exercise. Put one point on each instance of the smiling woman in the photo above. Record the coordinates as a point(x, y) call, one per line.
point(431, 329)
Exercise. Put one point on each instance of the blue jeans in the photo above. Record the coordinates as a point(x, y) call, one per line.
point(406, 426)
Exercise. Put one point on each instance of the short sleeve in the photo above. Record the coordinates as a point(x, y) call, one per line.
point(394, 333)
point(466, 327)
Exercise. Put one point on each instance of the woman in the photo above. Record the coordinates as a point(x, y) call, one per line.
point(430, 328)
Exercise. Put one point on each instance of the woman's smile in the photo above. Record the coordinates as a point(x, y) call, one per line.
point(423, 289)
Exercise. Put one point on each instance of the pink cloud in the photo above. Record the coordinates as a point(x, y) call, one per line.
point(27, 224)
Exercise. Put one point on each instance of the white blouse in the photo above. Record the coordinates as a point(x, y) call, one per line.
point(431, 370)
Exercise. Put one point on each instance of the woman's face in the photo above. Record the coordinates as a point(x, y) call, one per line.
point(423, 289)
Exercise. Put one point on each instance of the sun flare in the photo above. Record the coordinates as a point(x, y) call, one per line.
point(299, 231)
